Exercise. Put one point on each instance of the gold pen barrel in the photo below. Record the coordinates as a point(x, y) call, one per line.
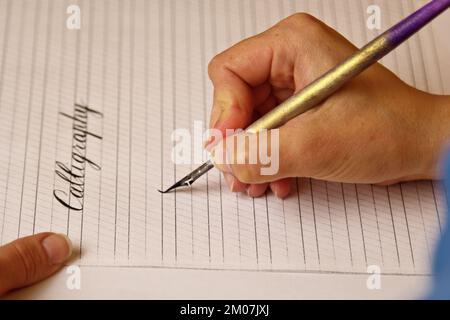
point(323, 87)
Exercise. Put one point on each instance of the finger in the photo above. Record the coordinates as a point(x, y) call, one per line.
point(267, 105)
point(234, 184)
point(261, 93)
point(281, 188)
point(257, 190)
point(293, 150)
point(31, 259)
point(282, 94)
point(234, 74)
point(251, 158)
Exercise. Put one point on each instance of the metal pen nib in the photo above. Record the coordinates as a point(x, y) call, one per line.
point(191, 177)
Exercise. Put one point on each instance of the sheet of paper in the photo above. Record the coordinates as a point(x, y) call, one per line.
point(87, 117)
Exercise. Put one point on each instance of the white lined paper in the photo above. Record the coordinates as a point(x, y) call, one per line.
point(143, 65)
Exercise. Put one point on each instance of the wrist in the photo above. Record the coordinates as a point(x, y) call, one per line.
point(435, 131)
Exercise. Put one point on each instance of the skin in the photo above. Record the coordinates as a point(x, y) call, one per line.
point(31, 259)
point(376, 129)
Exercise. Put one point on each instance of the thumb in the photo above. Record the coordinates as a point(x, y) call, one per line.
point(31, 259)
point(253, 158)
point(239, 76)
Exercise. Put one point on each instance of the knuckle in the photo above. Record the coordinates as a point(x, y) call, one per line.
point(308, 24)
point(3, 269)
point(214, 65)
point(26, 261)
point(299, 19)
point(304, 18)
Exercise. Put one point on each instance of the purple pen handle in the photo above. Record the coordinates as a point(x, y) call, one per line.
point(416, 21)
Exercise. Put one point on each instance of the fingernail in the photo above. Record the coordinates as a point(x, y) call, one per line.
point(212, 141)
point(275, 191)
point(225, 103)
point(58, 248)
point(215, 121)
point(249, 191)
point(230, 180)
point(207, 144)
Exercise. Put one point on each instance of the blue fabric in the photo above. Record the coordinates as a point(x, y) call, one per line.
point(441, 266)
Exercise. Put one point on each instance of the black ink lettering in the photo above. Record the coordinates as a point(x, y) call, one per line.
point(76, 174)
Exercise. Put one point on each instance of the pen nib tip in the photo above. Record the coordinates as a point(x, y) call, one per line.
point(188, 180)
point(176, 185)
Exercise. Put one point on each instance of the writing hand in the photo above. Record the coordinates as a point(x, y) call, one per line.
point(376, 129)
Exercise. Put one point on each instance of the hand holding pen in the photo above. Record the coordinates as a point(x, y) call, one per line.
point(376, 129)
point(269, 80)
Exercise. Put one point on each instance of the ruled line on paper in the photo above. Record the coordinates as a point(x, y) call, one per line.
point(5, 40)
point(152, 80)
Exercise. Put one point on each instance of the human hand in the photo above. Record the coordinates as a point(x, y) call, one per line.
point(376, 129)
point(28, 260)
